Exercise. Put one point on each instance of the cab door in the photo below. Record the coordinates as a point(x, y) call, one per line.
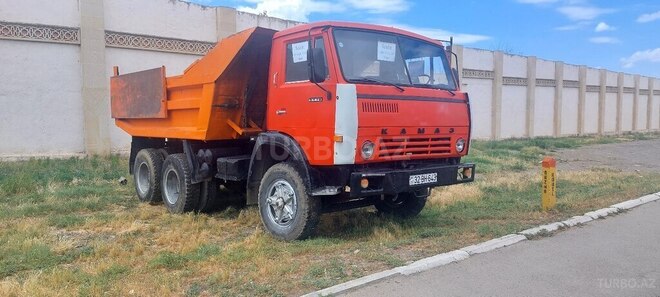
point(296, 106)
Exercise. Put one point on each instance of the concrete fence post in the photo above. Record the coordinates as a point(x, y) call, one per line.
point(635, 115)
point(95, 89)
point(619, 102)
point(531, 96)
point(582, 97)
point(498, 69)
point(649, 104)
point(225, 20)
point(559, 95)
point(602, 100)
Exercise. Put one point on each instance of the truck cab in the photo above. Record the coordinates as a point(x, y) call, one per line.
point(376, 112)
point(317, 118)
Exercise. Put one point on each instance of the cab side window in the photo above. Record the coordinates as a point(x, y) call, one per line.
point(297, 68)
point(297, 64)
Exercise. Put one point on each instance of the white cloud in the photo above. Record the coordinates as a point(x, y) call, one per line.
point(649, 17)
point(379, 6)
point(435, 33)
point(602, 27)
point(299, 10)
point(568, 27)
point(575, 26)
point(604, 40)
point(651, 55)
point(583, 13)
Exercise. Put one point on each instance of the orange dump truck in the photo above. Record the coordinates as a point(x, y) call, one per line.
point(317, 118)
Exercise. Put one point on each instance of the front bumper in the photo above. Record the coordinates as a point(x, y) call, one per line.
point(392, 182)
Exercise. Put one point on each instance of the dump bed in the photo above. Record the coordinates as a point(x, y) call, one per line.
point(220, 96)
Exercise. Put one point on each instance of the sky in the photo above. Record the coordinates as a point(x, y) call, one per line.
point(619, 35)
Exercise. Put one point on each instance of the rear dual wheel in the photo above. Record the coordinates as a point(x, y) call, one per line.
point(160, 177)
point(179, 193)
point(147, 175)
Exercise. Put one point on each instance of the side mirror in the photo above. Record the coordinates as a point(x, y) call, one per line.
point(318, 71)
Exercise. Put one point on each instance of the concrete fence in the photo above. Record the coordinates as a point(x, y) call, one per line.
point(57, 57)
point(516, 96)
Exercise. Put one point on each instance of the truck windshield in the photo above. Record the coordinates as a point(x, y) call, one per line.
point(390, 59)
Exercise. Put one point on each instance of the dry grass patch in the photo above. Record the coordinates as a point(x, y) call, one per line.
point(70, 229)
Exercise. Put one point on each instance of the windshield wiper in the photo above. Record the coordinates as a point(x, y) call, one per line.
point(378, 81)
point(427, 86)
point(448, 90)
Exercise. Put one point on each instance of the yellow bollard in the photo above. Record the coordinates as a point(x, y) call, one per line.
point(549, 184)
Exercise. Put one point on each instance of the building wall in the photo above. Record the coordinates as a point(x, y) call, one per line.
point(53, 55)
point(44, 53)
point(480, 83)
point(56, 13)
point(173, 19)
point(555, 100)
point(40, 97)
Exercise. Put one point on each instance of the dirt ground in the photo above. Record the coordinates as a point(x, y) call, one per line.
point(634, 156)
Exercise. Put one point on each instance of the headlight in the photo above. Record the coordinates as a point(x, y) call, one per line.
point(367, 150)
point(460, 145)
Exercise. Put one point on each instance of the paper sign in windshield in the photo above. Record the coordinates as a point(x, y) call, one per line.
point(386, 51)
point(299, 51)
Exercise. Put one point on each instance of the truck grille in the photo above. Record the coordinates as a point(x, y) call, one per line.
point(380, 107)
point(403, 148)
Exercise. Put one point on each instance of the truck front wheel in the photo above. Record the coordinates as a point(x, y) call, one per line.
point(287, 211)
point(179, 193)
point(403, 205)
point(146, 175)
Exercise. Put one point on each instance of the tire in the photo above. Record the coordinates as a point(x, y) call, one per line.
point(287, 219)
point(147, 175)
point(164, 153)
point(404, 205)
point(208, 199)
point(180, 195)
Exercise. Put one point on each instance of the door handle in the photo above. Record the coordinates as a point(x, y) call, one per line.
point(280, 112)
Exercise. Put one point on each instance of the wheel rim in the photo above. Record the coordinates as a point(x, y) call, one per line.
point(282, 203)
point(143, 180)
point(172, 186)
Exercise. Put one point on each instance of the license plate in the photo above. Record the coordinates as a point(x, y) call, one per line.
point(420, 179)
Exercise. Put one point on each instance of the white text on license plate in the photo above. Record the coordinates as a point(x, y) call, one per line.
point(420, 179)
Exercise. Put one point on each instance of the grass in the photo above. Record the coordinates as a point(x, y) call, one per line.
point(69, 228)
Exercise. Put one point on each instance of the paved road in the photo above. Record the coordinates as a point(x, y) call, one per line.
point(617, 256)
point(640, 156)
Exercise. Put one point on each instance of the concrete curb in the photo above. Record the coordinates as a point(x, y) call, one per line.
point(541, 229)
point(432, 262)
point(577, 220)
point(601, 213)
point(354, 284)
point(493, 244)
point(636, 202)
